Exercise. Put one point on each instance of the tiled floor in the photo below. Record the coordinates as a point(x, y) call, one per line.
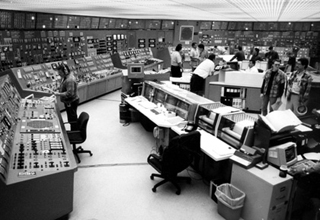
point(115, 182)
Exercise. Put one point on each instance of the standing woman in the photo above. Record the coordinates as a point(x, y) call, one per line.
point(68, 93)
point(176, 62)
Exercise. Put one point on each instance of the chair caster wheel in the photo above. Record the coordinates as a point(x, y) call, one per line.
point(151, 177)
point(178, 192)
point(154, 189)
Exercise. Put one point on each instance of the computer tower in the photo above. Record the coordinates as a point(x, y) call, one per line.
point(267, 194)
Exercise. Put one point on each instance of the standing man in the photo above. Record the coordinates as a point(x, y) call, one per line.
point(299, 85)
point(272, 87)
point(291, 62)
point(194, 56)
point(271, 56)
point(176, 62)
point(200, 74)
point(203, 53)
point(239, 55)
point(68, 93)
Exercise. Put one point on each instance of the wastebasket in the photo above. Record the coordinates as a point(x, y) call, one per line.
point(230, 201)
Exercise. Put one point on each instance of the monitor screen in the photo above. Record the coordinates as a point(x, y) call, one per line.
point(290, 153)
point(135, 70)
point(182, 109)
point(147, 91)
point(283, 154)
point(170, 103)
point(159, 96)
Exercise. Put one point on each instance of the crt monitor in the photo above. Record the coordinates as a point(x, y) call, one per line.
point(147, 91)
point(283, 154)
point(135, 70)
point(170, 103)
point(159, 96)
point(182, 109)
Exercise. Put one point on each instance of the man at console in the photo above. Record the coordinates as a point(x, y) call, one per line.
point(200, 74)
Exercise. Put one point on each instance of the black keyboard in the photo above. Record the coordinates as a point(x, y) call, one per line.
point(243, 155)
point(155, 111)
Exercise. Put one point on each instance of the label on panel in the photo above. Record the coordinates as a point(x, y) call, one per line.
point(94, 23)
point(5, 19)
point(73, 22)
point(19, 19)
point(60, 21)
point(30, 20)
point(85, 22)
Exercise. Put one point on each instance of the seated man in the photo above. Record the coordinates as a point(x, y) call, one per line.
point(252, 68)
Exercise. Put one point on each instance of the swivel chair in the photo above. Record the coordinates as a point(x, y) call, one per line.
point(179, 155)
point(79, 135)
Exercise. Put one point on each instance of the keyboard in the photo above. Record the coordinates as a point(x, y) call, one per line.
point(155, 111)
point(243, 156)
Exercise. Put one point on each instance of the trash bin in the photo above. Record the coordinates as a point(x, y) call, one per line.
point(230, 201)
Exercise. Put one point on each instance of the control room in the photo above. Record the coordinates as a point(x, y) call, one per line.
point(160, 110)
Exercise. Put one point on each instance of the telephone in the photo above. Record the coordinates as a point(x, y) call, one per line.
point(191, 127)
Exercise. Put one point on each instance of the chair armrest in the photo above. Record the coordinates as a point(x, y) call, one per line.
point(70, 122)
point(154, 156)
point(73, 132)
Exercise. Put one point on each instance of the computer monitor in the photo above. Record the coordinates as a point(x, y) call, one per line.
point(147, 91)
point(135, 70)
point(170, 103)
point(182, 109)
point(233, 65)
point(159, 96)
point(283, 154)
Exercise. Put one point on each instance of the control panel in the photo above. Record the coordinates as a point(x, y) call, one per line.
point(32, 142)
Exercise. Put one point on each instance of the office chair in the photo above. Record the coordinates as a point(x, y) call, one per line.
point(80, 135)
point(180, 153)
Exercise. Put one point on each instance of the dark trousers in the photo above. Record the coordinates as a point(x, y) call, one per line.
point(197, 84)
point(71, 109)
point(176, 71)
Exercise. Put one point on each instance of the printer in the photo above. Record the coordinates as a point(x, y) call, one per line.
point(209, 116)
point(237, 129)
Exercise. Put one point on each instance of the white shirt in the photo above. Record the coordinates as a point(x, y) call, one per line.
point(296, 84)
point(253, 69)
point(175, 58)
point(205, 68)
point(194, 53)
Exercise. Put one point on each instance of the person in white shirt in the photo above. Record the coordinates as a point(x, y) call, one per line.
point(252, 68)
point(176, 62)
point(200, 74)
point(194, 56)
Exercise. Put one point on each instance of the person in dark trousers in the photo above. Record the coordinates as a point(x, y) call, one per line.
point(200, 74)
point(176, 62)
point(239, 55)
point(271, 56)
point(68, 93)
point(291, 62)
point(272, 87)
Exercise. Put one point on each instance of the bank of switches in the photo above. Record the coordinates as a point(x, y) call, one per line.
point(40, 152)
